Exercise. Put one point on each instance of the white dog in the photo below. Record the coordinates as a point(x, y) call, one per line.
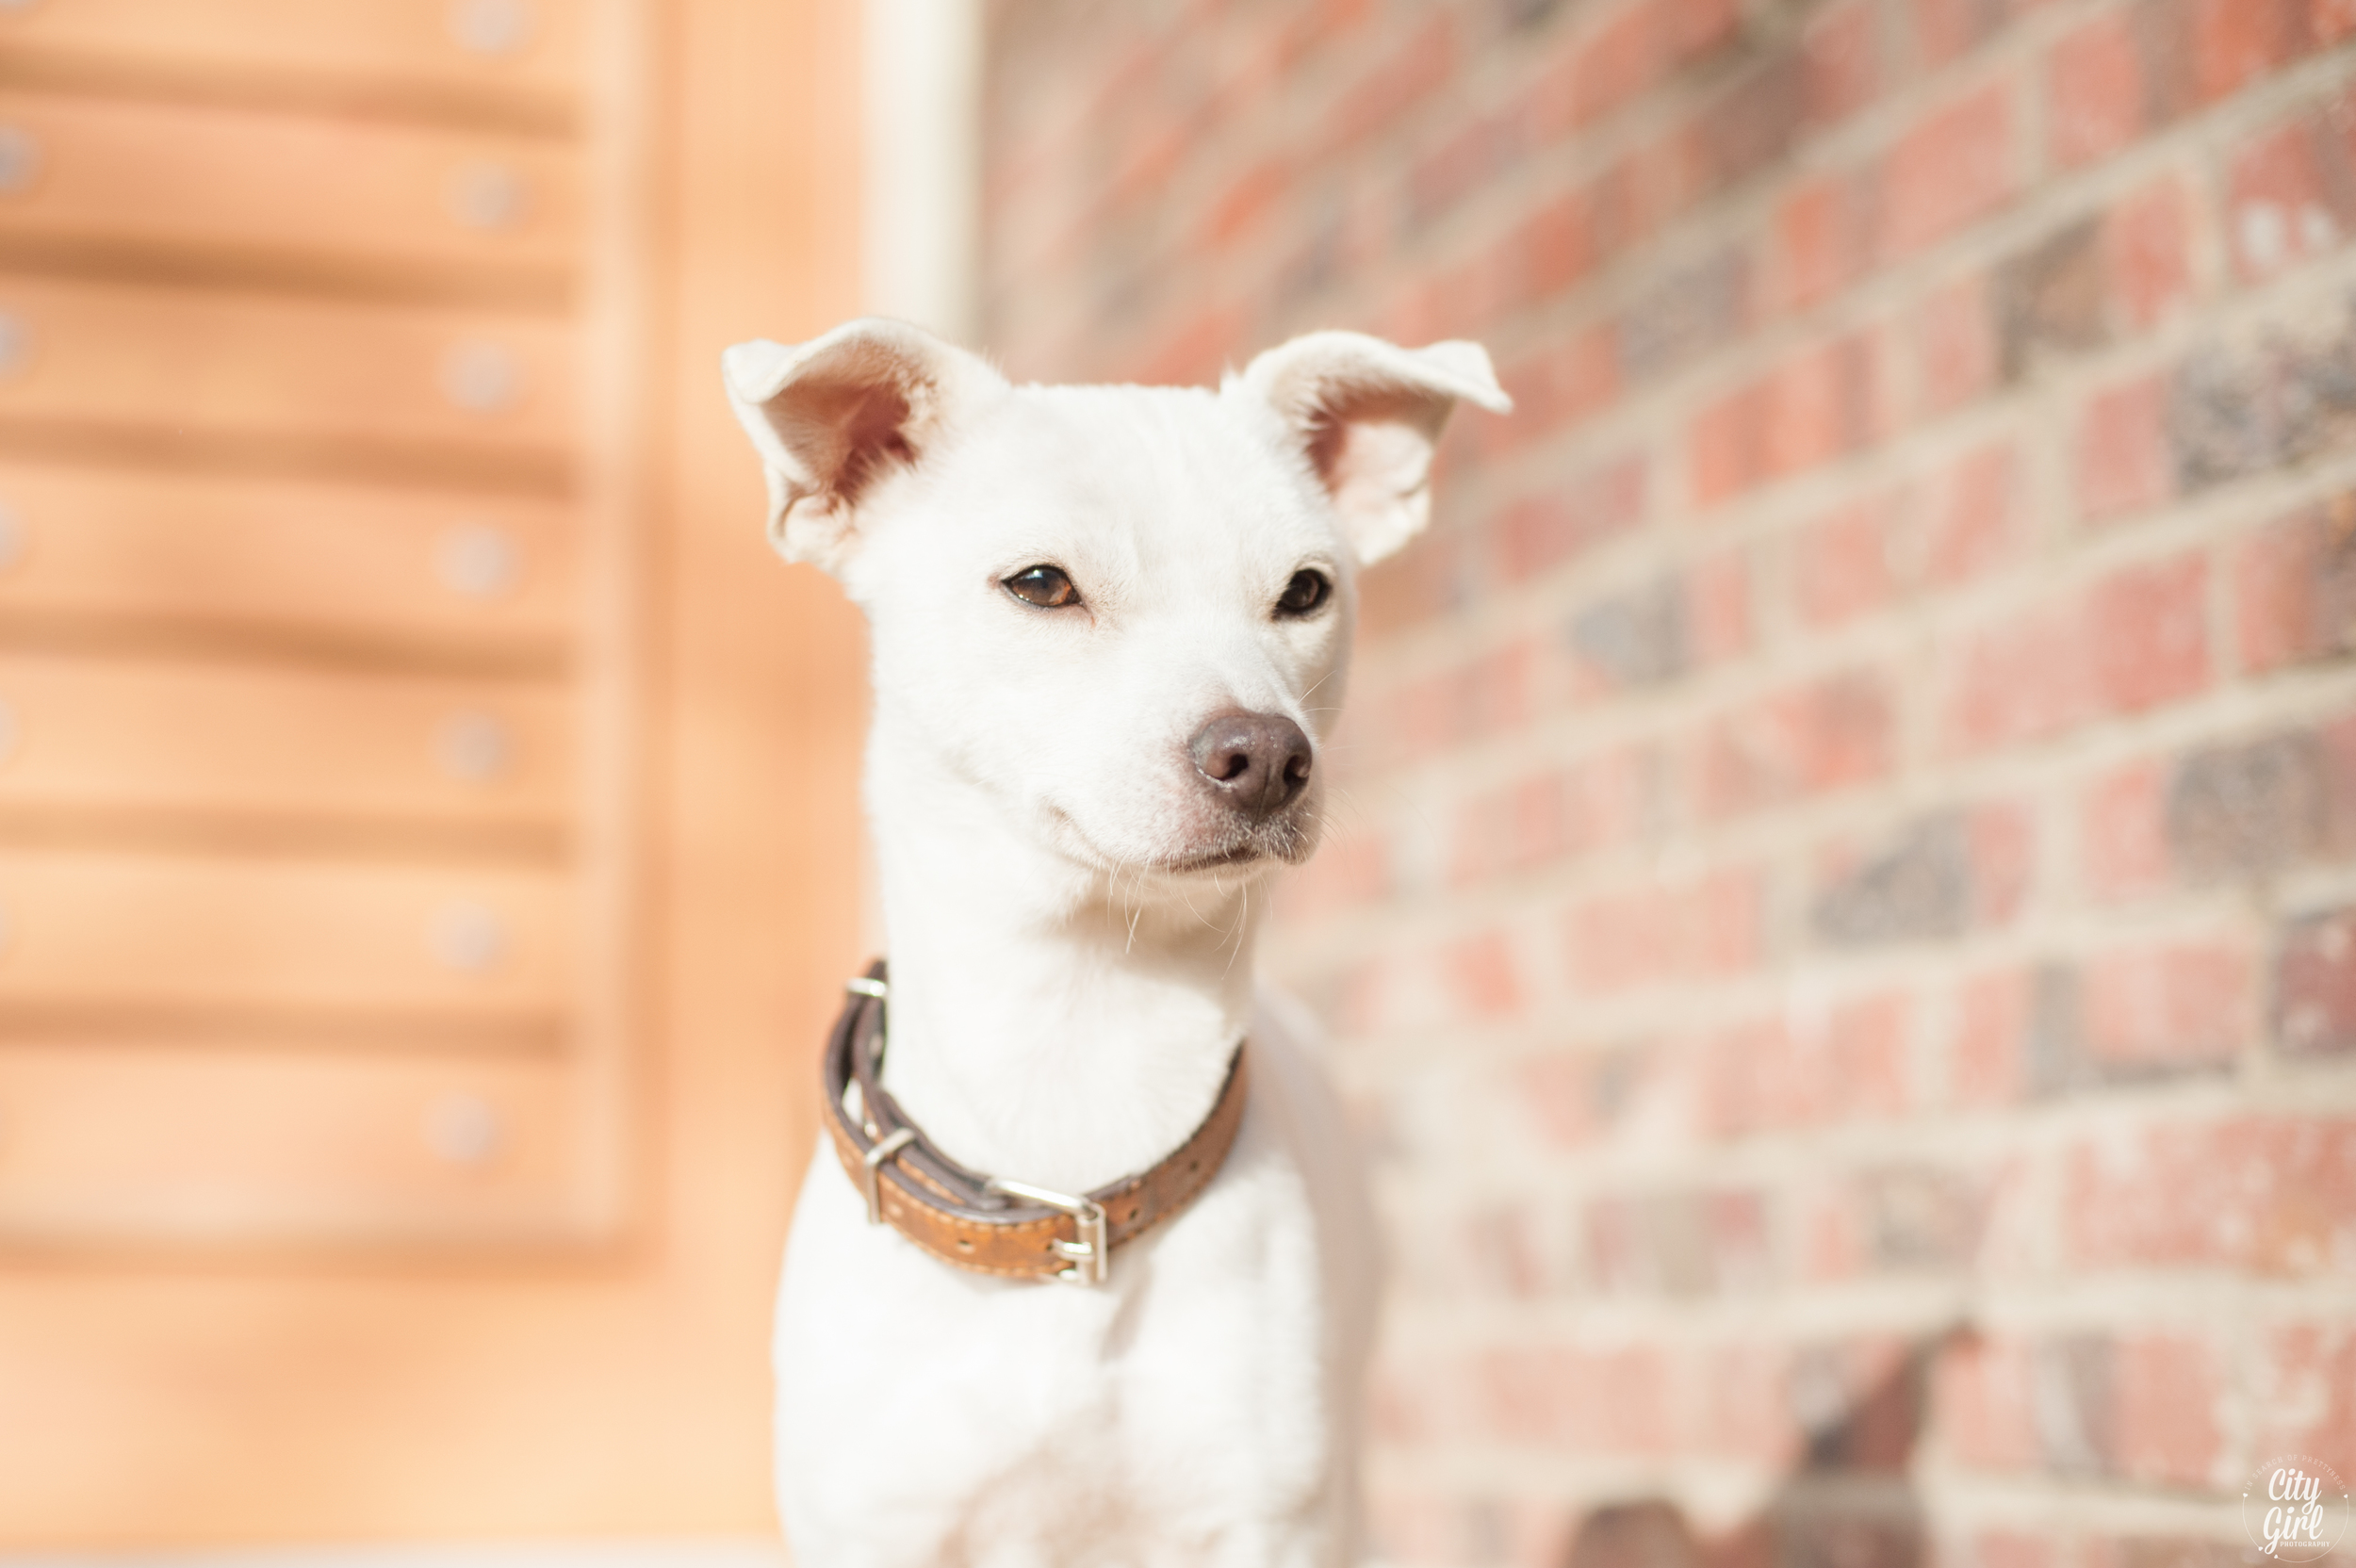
point(1110, 625)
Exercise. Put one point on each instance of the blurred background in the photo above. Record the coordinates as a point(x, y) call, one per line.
point(1843, 940)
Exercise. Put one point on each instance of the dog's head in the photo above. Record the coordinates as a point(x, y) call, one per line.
point(1122, 613)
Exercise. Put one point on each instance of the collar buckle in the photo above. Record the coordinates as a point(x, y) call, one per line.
point(1092, 1255)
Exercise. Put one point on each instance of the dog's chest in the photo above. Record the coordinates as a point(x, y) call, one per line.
point(932, 1417)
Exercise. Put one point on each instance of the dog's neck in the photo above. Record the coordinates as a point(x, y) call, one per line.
point(1043, 1027)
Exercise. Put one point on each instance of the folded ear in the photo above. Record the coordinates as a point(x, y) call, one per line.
point(832, 416)
point(1367, 415)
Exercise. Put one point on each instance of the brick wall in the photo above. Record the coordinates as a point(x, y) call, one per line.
point(1845, 932)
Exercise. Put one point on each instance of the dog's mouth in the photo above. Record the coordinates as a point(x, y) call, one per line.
point(1287, 841)
point(1242, 855)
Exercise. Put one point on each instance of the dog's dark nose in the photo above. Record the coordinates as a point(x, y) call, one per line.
point(1256, 761)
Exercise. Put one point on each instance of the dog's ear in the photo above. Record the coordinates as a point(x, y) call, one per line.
point(1367, 415)
point(832, 416)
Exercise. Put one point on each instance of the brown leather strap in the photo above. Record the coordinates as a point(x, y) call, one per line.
point(954, 1213)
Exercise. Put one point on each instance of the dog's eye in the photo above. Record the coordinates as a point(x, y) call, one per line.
point(1045, 586)
point(1303, 593)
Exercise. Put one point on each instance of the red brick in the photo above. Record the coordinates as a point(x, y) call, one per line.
point(1746, 1405)
point(1841, 562)
point(1865, 1056)
point(1567, 1096)
point(2157, 1009)
point(1620, 60)
point(1831, 1252)
point(2235, 43)
point(1884, 1401)
point(1468, 298)
point(1534, 1533)
point(1148, 168)
point(1557, 244)
point(2148, 237)
point(2306, 1394)
point(1991, 1018)
point(1551, 815)
point(1955, 347)
point(2095, 90)
point(2269, 1194)
point(2291, 200)
point(2012, 1549)
point(1499, 1252)
point(1945, 30)
point(2295, 587)
point(1821, 406)
point(1405, 78)
point(1425, 582)
point(1660, 182)
point(1604, 70)
point(1699, 28)
point(2001, 526)
point(1350, 868)
point(1723, 449)
point(1564, 383)
point(1619, 209)
point(1841, 62)
point(2123, 832)
point(1749, 128)
point(1197, 350)
point(1463, 163)
point(1417, 1528)
point(2164, 1416)
point(1828, 735)
point(1954, 167)
point(2148, 638)
point(1824, 230)
point(2123, 457)
point(1982, 1402)
point(1823, 403)
point(1256, 69)
point(2004, 861)
point(2315, 986)
point(1357, 999)
point(1678, 1242)
point(1482, 696)
point(2156, 1551)
point(2021, 680)
point(1127, 78)
point(1539, 534)
point(2339, 785)
point(1401, 1408)
point(1718, 607)
point(1661, 932)
point(1584, 1401)
point(1975, 523)
point(1239, 209)
point(1770, 1075)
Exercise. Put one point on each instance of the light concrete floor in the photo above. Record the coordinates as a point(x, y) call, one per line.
point(554, 1554)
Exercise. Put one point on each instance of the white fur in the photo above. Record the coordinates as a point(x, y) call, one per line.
point(1065, 994)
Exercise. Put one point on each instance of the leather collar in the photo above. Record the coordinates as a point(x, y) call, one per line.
point(993, 1225)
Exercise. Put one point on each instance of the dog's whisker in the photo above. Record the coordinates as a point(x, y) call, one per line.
point(1243, 918)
